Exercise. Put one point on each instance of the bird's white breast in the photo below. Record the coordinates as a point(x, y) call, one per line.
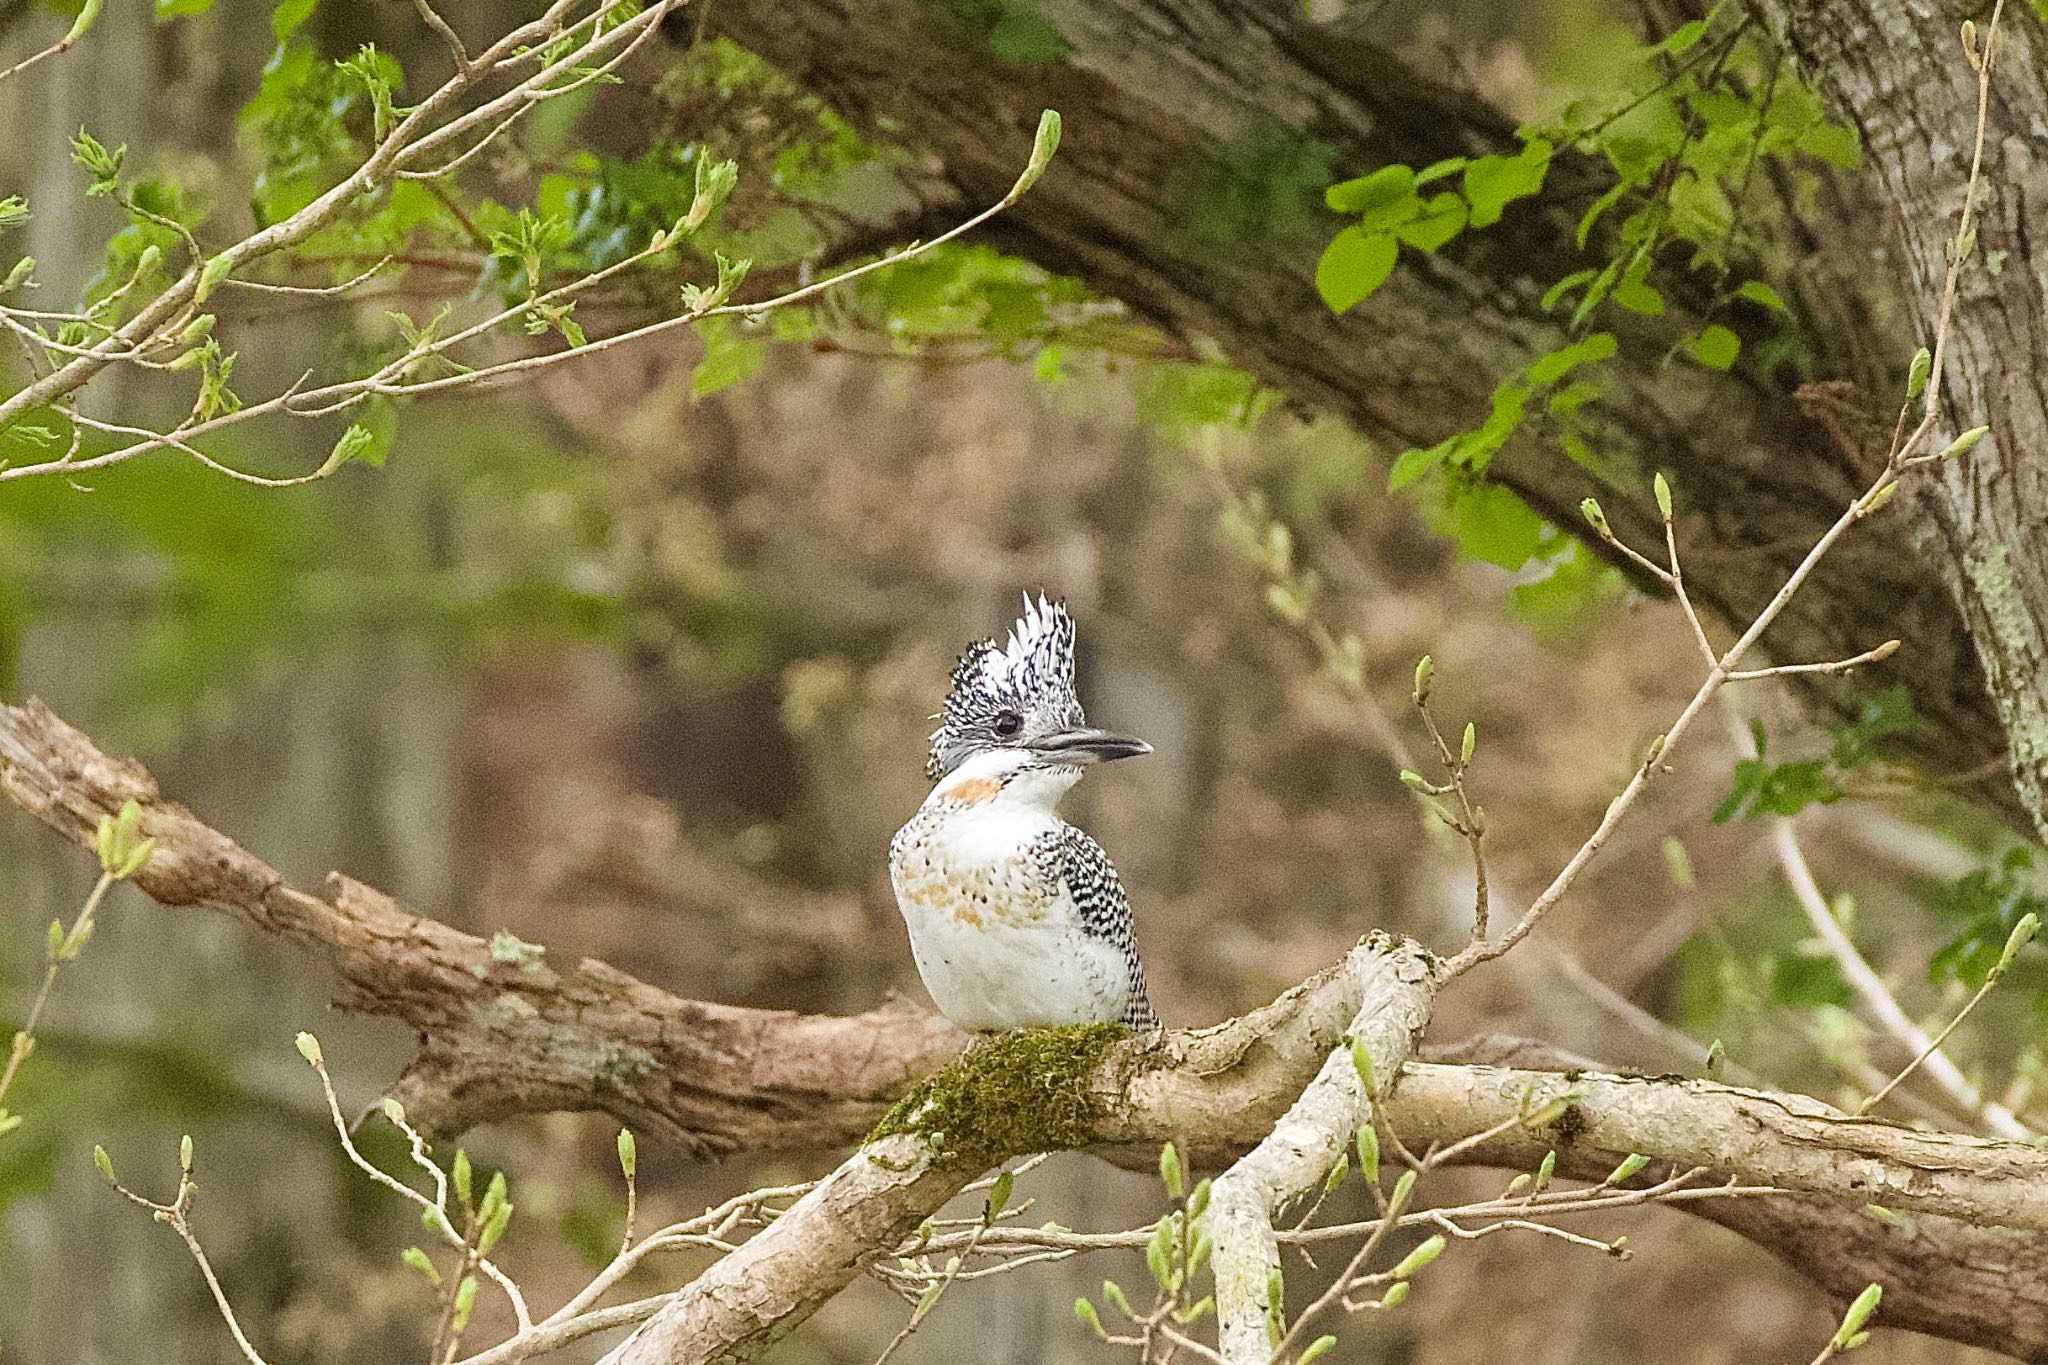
point(996, 937)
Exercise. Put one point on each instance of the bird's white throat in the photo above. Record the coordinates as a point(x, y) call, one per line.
point(1011, 779)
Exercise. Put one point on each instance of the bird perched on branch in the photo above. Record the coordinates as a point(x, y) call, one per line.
point(1016, 917)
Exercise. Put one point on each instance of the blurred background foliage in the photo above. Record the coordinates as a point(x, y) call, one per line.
point(636, 661)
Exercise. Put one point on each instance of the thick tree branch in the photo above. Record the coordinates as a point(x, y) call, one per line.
point(1291, 1160)
point(1142, 1091)
point(1189, 187)
point(507, 1034)
point(500, 1038)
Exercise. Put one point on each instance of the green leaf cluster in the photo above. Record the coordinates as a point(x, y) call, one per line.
point(1982, 909)
point(1681, 138)
point(1394, 211)
point(1765, 788)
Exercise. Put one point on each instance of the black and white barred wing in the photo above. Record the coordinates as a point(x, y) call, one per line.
point(1088, 876)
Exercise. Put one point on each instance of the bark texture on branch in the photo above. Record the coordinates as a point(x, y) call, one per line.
point(520, 1040)
point(1900, 71)
point(753, 1296)
point(1947, 1277)
point(504, 1033)
point(1291, 1160)
point(1188, 185)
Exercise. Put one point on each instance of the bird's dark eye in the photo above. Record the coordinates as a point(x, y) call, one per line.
point(1009, 723)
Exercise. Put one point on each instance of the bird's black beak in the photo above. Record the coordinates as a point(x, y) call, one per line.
point(1088, 746)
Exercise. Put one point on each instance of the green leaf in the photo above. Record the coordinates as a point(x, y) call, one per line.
point(1437, 170)
point(210, 275)
point(1493, 182)
point(1557, 364)
point(1917, 373)
point(286, 18)
point(1964, 443)
point(1171, 1172)
point(1024, 37)
point(1596, 291)
point(1361, 1062)
point(1565, 286)
point(1756, 291)
point(1510, 398)
point(1387, 185)
point(418, 1259)
point(999, 1195)
point(1714, 347)
point(1798, 981)
point(1441, 219)
point(1492, 524)
point(1762, 788)
point(103, 165)
point(1682, 38)
point(1993, 906)
point(494, 1226)
point(1352, 266)
point(1858, 1314)
point(1638, 297)
point(2022, 934)
point(729, 357)
point(1412, 464)
point(90, 11)
point(1430, 1248)
point(1368, 1144)
point(1043, 145)
point(1600, 206)
point(1631, 1165)
point(357, 443)
point(1833, 143)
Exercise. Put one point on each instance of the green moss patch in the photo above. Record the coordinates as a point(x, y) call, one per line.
point(1029, 1090)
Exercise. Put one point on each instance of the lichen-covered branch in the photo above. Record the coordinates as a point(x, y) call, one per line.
point(1291, 1160)
point(1785, 1140)
point(508, 1037)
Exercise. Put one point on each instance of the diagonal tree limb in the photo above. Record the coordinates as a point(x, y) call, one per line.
point(1290, 1161)
point(1189, 186)
point(757, 1294)
point(500, 1038)
point(503, 1037)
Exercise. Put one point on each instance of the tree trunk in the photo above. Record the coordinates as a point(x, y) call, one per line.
point(1900, 71)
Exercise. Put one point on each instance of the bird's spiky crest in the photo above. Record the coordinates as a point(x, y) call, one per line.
point(1030, 674)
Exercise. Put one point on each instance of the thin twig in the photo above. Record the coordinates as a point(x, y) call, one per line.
point(19, 1051)
point(1877, 998)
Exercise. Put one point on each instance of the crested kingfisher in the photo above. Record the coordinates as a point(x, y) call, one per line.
point(1016, 917)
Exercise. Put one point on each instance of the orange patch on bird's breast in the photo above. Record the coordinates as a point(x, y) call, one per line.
point(972, 791)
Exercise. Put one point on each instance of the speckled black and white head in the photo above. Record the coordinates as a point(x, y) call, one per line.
point(1012, 705)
